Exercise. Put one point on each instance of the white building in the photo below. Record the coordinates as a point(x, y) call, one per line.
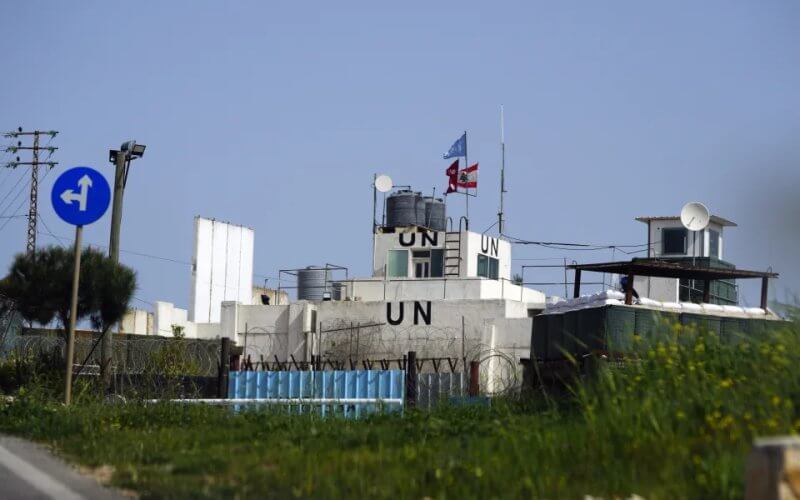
point(442, 294)
point(668, 239)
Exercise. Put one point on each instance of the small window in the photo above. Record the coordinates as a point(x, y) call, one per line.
point(713, 243)
point(494, 266)
point(421, 254)
point(673, 241)
point(488, 267)
point(397, 264)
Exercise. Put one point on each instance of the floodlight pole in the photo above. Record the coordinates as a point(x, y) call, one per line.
point(106, 346)
point(73, 313)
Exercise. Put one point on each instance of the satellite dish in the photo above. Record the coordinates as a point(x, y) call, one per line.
point(383, 183)
point(695, 216)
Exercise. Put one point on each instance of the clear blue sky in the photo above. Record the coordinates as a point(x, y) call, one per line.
point(276, 116)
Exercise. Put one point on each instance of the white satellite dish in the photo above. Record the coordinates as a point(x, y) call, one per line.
point(383, 183)
point(695, 216)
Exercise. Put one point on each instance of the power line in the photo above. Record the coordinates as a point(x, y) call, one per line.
point(35, 149)
point(142, 254)
point(2, 202)
point(20, 205)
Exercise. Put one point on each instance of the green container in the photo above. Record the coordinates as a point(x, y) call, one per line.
point(570, 339)
point(620, 326)
point(591, 330)
point(539, 337)
point(648, 324)
point(733, 330)
point(555, 336)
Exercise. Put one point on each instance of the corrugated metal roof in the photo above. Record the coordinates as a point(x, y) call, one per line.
point(714, 218)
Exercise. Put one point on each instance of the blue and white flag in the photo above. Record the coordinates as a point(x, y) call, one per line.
point(459, 148)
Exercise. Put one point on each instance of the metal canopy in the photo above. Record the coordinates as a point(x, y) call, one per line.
point(671, 269)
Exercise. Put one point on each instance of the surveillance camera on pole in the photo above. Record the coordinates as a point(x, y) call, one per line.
point(121, 159)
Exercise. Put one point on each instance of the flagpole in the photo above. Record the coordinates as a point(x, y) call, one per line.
point(466, 166)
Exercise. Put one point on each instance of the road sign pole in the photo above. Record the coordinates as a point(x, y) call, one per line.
point(73, 314)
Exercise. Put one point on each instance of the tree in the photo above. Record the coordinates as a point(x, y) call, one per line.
point(40, 286)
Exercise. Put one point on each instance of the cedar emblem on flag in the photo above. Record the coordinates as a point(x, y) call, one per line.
point(468, 178)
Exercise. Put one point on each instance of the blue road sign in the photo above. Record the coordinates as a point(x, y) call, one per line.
point(80, 196)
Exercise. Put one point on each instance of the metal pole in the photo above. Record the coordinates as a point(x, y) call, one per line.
point(106, 346)
point(411, 379)
point(73, 312)
point(466, 161)
point(463, 339)
point(32, 210)
point(502, 169)
point(374, 202)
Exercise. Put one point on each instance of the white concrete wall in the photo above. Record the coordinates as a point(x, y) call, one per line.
point(384, 329)
point(661, 289)
point(222, 268)
point(700, 250)
point(508, 340)
point(405, 239)
point(137, 322)
point(439, 289)
point(481, 244)
point(165, 315)
point(667, 289)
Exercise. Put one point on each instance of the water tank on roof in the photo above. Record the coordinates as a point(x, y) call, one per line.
point(435, 214)
point(403, 208)
point(312, 283)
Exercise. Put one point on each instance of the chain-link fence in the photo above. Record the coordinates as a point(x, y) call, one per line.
point(143, 366)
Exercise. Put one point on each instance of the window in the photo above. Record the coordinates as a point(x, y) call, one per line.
point(437, 263)
point(713, 243)
point(488, 267)
point(673, 241)
point(397, 264)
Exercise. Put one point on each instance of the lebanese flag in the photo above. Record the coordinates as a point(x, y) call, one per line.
point(468, 178)
point(452, 178)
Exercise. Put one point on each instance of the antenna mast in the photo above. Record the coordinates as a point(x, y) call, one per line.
point(34, 164)
point(500, 221)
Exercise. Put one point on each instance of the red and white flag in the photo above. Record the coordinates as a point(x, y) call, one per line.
point(452, 178)
point(468, 178)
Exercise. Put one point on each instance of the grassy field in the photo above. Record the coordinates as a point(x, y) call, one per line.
point(677, 423)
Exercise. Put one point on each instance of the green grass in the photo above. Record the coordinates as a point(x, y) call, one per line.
point(677, 423)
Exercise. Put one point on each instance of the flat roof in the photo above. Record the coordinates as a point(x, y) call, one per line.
point(670, 269)
point(714, 218)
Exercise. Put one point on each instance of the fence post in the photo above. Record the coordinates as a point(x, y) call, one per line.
point(474, 378)
point(411, 379)
point(224, 367)
point(773, 469)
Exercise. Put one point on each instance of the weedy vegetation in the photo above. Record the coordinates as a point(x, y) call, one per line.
point(676, 420)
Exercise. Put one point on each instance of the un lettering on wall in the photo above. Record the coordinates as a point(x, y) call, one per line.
point(222, 268)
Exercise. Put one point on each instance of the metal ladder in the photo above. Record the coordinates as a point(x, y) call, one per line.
point(452, 253)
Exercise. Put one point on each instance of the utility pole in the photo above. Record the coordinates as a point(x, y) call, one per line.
point(122, 162)
point(35, 148)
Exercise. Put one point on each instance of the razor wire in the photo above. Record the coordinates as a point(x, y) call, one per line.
point(147, 366)
point(344, 344)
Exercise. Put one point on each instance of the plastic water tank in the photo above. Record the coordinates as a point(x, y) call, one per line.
point(312, 283)
point(435, 214)
point(402, 208)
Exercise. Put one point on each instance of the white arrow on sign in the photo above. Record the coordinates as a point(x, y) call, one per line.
point(68, 196)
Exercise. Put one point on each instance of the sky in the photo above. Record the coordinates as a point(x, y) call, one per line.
point(276, 115)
